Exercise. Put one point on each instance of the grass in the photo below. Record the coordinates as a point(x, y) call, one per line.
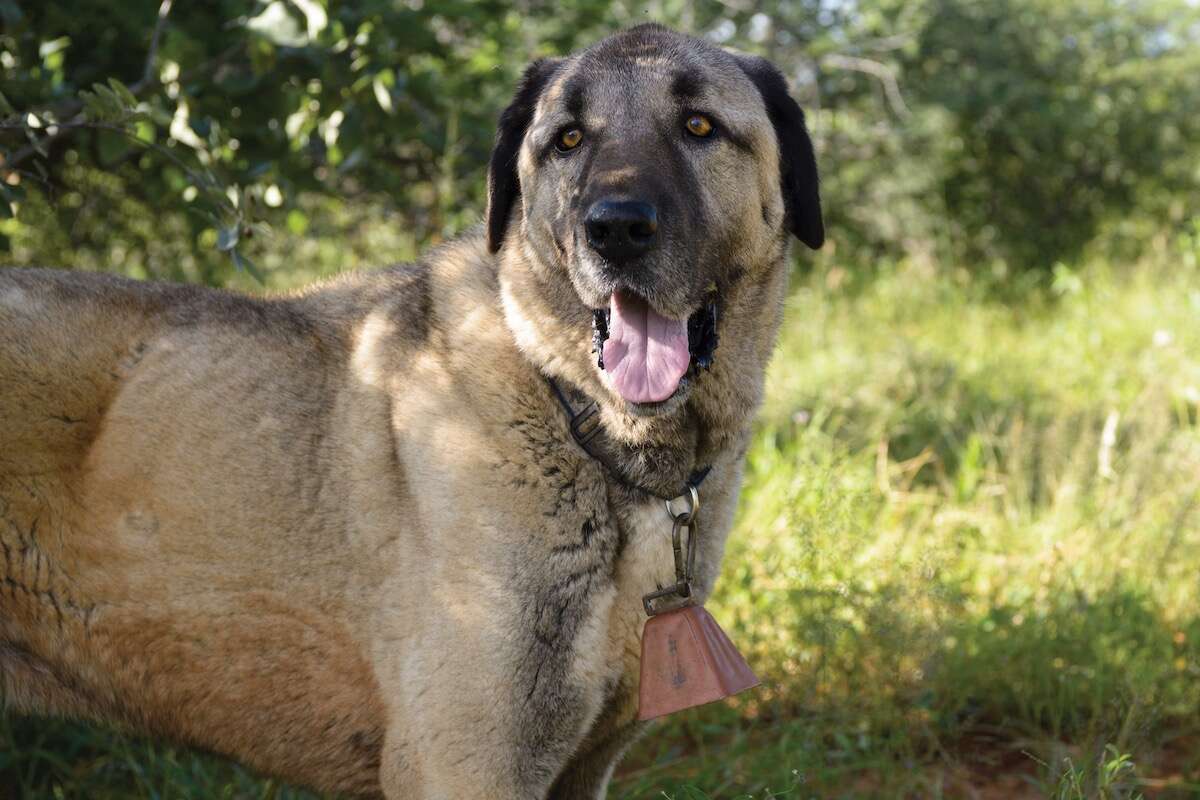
point(965, 564)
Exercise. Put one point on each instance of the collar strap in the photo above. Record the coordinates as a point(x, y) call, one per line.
point(585, 427)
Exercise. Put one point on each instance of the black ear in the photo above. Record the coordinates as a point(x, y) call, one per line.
point(504, 187)
point(798, 164)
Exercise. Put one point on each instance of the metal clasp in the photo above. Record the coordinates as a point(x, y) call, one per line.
point(685, 566)
point(694, 497)
point(582, 435)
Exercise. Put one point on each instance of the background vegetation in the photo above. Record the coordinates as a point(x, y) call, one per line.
point(968, 552)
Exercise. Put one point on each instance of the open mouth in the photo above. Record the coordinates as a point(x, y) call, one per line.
point(647, 355)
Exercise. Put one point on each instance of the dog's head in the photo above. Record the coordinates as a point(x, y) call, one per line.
point(644, 177)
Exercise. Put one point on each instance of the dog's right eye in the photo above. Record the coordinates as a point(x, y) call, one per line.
point(699, 125)
point(568, 140)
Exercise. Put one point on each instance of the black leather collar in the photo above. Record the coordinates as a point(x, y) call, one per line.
point(585, 427)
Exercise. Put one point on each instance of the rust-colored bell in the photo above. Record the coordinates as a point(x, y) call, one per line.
point(687, 661)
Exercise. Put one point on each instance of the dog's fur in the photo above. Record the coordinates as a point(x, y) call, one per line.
point(345, 536)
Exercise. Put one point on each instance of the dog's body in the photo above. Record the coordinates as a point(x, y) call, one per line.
point(346, 536)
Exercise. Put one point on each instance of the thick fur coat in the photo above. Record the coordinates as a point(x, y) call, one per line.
point(345, 536)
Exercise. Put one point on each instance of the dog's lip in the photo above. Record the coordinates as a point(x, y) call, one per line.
point(633, 291)
point(641, 294)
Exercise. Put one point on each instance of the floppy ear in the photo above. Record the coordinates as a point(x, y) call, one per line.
point(504, 187)
point(797, 163)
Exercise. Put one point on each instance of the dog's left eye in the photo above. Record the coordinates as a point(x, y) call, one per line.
point(569, 139)
point(699, 126)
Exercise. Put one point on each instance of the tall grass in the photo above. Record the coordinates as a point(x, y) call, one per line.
point(968, 555)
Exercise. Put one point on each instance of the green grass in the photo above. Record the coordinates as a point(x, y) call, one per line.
point(968, 555)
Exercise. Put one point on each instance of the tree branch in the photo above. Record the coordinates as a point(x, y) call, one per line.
point(885, 74)
point(72, 110)
point(152, 55)
point(202, 181)
point(884, 43)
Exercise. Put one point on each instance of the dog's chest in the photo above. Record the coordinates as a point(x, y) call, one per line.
point(645, 563)
point(585, 577)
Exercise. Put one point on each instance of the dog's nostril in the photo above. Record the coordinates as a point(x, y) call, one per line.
point(643, 230)
point(621, 229)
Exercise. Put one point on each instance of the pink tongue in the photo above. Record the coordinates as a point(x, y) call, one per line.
point(646, 354)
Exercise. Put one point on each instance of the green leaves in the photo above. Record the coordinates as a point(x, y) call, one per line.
point(228, 237)
point(230, 234)
point(112, 103)
point(315, 18)
point(1066, 117)
point(381, 85)
point(9, 196)
point(276, 24)
point(243, 263)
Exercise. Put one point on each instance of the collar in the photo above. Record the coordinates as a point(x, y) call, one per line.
point(585, 427)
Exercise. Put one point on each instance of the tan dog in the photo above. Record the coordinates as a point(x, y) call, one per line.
point(345, 536)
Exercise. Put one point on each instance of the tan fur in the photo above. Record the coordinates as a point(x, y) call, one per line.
point(344, 536)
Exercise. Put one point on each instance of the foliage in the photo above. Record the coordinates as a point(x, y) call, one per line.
point(970, 533)
point(1062, 115)
point(1004, 133)
point(1110, 781)
point(374, 98)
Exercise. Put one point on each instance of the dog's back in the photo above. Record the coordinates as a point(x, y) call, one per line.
point(68, 340)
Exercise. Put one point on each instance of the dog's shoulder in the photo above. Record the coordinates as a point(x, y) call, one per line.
point(421, 302)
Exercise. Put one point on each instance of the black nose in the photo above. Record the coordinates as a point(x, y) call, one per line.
point(621, 229)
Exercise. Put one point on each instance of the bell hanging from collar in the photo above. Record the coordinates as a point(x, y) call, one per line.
point(687, 661)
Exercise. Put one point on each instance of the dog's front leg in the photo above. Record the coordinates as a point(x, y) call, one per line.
point(586, 777)
point(444, 762)
point(466, 720)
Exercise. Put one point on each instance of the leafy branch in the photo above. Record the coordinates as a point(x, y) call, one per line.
point(115, 108)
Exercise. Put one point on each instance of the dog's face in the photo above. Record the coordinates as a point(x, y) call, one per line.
point(653, 170)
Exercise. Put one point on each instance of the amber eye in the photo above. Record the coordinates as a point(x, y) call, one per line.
point(569, 139)
point(699, 125)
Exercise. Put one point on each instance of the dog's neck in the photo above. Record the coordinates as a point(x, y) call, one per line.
point(553, 330)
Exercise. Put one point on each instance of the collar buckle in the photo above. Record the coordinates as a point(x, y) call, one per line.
point(583, 436)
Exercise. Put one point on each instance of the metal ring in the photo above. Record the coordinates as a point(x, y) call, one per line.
point(692, 509)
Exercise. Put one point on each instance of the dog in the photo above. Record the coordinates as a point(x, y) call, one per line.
point(389, 536)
